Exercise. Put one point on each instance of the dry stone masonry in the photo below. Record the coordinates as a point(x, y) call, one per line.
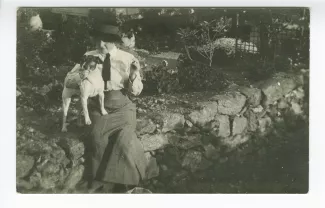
point(181, 143)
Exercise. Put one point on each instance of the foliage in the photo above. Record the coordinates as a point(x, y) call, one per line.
point(198, 76)
point(162, 80)
point(39, 51)
point(204, 36)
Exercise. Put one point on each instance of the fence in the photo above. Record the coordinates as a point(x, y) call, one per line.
point(270, 41)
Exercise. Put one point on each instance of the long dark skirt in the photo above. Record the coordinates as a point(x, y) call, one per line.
point(113, 152)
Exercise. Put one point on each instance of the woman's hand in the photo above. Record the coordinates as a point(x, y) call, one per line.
point(134, 69)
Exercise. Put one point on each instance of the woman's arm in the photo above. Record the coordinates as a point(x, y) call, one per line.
point(135, 84)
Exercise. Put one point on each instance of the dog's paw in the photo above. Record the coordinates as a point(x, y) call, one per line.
point(88, 121)
point(64, 129)
point(104, 112)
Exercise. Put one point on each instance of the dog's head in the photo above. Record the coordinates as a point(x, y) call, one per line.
point(89, 63)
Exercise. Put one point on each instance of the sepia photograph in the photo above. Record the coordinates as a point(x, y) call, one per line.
point(153, 100)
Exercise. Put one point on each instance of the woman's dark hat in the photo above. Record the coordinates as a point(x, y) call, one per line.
point(105, 26)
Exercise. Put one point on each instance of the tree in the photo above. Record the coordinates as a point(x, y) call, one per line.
point(203, 38)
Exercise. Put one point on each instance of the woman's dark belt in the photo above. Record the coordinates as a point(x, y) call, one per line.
point(114, 99)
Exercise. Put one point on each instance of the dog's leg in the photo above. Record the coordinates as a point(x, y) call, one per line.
point(84, 100)
point(85, 91)
point(66, 99)
point(101, 103)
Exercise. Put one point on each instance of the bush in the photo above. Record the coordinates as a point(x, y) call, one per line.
point(162, 80)
point(198, 76)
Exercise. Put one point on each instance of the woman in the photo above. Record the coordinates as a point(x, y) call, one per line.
point(114, 155)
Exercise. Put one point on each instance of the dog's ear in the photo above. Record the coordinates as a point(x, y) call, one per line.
point(83, 60)
point(98, 60)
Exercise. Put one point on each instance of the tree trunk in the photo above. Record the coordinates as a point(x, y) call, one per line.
point(188, 52)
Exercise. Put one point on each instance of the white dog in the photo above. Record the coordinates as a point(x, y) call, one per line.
point(84, 80)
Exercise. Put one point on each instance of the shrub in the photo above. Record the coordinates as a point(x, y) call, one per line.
point(162, 80)
point(198, 76)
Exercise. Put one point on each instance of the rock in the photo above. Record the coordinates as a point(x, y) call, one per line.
point(35, 179)
point(189, 123)
point(58, 155)
point(299, 93)
point(295, 107)
point(139, 190)
point(272, 111)
point(73, 178)
point(74, 148)
point(172, 121)
point(241, 113)
point(251, 121)
point(224, 125)
point(164, 167)
point(37, 147)
point(148, 155)
point(210, 126)
point(254, 95)
point(230, 103)
point(185, 142)
point(152, 169)
point(49, 181)
point(192, 160)
point(205, 115)
point(282, 104)
point(258, 109)
point(24, 164)
point(239, 125)
point(154, 142)
point(211, 152)
point(50, 176)
point(50, 168)
point(18, 93)
point(23, 185)
point(278, 86)
point(145, 126)
point(234, 141)
point(264, 123)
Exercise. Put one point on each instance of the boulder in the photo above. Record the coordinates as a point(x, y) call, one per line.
point(188, 123)
point(278, 86)
point(172, 121)
point(185, 142)
point(36, 147)
point(258, 109)
point(154, 142)
point(264, 124)
point(224, 125)
point(23, 185)
point(299, 93)
point(24, 164)
point(205, 115)
point(233, 141)
point(152, 169)
point(296, 108)
point(73, 178)
point(145, 126)
point(74, 148)
point(282, 104)
point(211, 152)
point(254, 95)
point(251, 121)
point(239, 125)
point(230, 103)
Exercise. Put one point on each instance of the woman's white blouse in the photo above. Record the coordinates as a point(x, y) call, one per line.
point(120, 70)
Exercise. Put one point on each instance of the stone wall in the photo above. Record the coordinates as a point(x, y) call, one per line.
point(181, 142)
